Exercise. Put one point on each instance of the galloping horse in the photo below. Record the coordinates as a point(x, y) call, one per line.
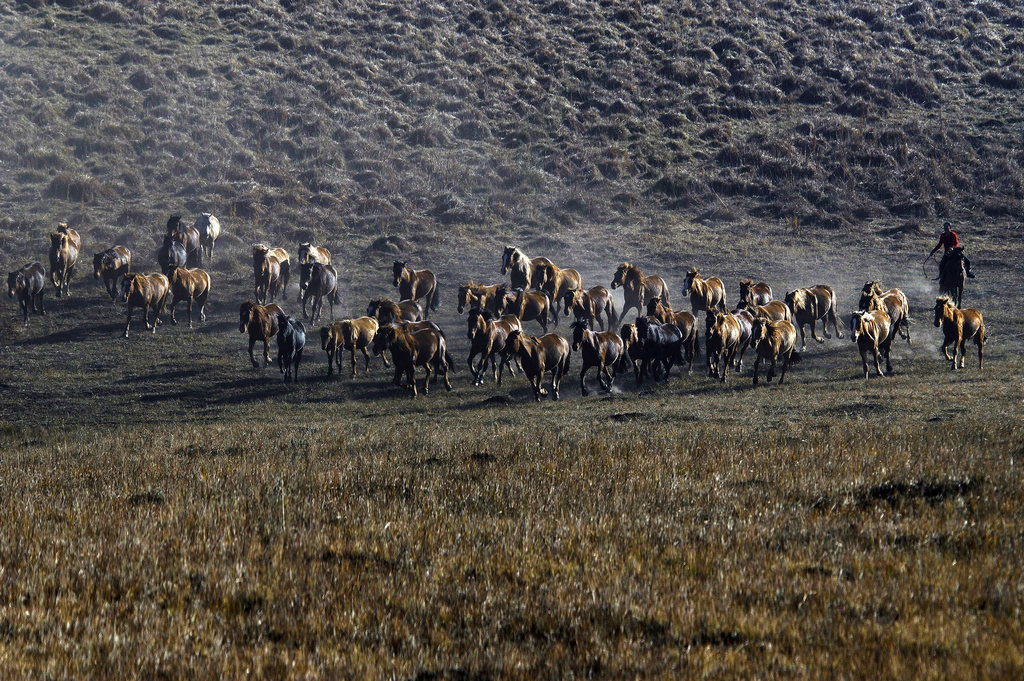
point(632, 347)
point(637, 290)
point(705, 294)
point(260, 321)
point(685, 321)
point(208, 227)
point(596, 303)
point(952, 276)
point(958, 327)
point(755, 294)
point(309, 254)
point(771, 340)
point(559, 282)
point(426, 348)
point(416, 284)
point(870, 331)
point(111, 265)
point(322, 282)
point(189, 285)
point(660, 346)
point(477, 295)
point(537, 356)
point(291, 339)
point(602, 350)
point(524, 272)
point(487, 337)
point(261, 252)
point(776, 310)
point(808, 305)
point(27, 286)
point(64, 247)
point(268, 279)
point(146, 291)
point(188, 237)
point(723, 341)
point(355, 334)
point(526, 305)
point(893, 301)
point(388, 311)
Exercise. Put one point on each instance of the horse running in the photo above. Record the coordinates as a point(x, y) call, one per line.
point(595, 304)
point(146, 291)
point(472, 295)
point(321, 283)
point(26, 286)
point(191, 286)
point(188, 237)
point(487, 337)
point(705, 294)
point(558, 283)
point(426, 348)
point(808, 305)
point(870, 331)
point(416, 285)
point(208, 227)
point(291, 339)
point(349, 334)
point(524, 272)
point(388, 311)
point(309, 254)
point(755, 294)
point(111, 265)
point(537, 356)
point(65, 244)
point(893, 301)
point(772, 340)
point(602, 350)
point(260, 252)
point(526, 305)
point(952, 276)
point(637, 290)
point(685, 321)
point(260, 322)
point(958, 327)
point(723, 342)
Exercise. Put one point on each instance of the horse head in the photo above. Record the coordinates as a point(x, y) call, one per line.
point(398, 269)
point(127, 286)
point(14, 283)
point(691, 276)
point(514, 341)
point(507, 257)
point(943, 309)
point(620, 275)
point(383, 339)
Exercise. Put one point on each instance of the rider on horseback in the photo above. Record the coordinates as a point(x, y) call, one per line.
point(950, 243)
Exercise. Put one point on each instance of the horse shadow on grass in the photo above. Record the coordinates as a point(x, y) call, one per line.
point(76, 334)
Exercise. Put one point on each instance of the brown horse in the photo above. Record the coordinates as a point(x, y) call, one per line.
point(415, 285)
point(808, 305)
point(746, 322)
point(775, 310)
point(637, 290)
point(261, 252)
point(477, 295)
point(268, 279)
point(357, 334)
point(26, 286)
point(602, 350)
point(596, 304)
point(388, 311)
point(755, 294)
point(631, 347)
point(188, 237)
point(893, 301)
point(526, 305)
point(559, 282)
point(111, 265)
point(723, 342)
point(191, 286)
point(705, 294)
point(524, 272)
point(146, 291)
point(870, 331)
point(487, 337)
point(550, 352)
point(426, 348)
point(322, 283)
point(309, 254)
point(64, 247)
point(953, 276)
point(958, 327)
point(208, 228)
point(685, 321)
point(772, 340)
point(260, 321)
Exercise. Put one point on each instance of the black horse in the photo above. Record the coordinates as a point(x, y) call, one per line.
point(171, 253)
point(291, 339)
point(661, 346)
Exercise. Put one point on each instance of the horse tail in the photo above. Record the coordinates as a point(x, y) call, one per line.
point(451, 362)
point(794, 357)
point(613, 318)
point(435, 300)
point(335, 298)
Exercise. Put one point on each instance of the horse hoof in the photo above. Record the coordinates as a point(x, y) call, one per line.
point(174, 322)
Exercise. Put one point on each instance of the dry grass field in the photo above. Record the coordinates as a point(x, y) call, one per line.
point(166, 511)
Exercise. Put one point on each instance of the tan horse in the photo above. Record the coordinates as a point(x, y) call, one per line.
point(388, 311)
point(416, 285)
point(526, 305)
point(351, 335)
point(146, 291)
point(559, 282)
point(477, 295)
point(685, 321)
point(191, 286)
point(596, 304)
point(776, 310)
point(524, 272)
point(723, 342)
point(808, 305)
point(870, 331)
point(111, 265)
point(893, 301)
point(602, 350)
point(537, 356)
point(309, 254)
point(487, 337)
point(958, 327)
point(261, 252)
point(755, 294)
point(65, 244)
point(27, 286)
point(637, 290)
point(426, 348)
point(772, 340)
point(705, 294)
point(260, 321)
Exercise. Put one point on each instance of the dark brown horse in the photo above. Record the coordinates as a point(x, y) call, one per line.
point(602, 350)
point(477, 295)
point(388, 311)
point(953, 276)
point(188, 237)
point(322, 283)
point(261, 252)
point(808, 305)
point(260, 322)
point(309, 254)
point(526, 305)
point(524, 272)
point(146, 291)
point(550, 352)
point(755, 294)
point(637, 290)
point(268, 279)
point(26, 286)
point(111, 265)
point(596, 304)
point(487, 337)
point(705, 294)
point(426, 348)
point(416, 285)
point(65, 245)
point(191, 286)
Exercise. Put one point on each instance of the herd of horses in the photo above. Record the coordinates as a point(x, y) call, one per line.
point(657, 339)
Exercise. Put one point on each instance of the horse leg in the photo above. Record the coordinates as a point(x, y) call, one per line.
point(24, 308)
point(864, 362)
point(128, 323)
point(266, 352)
point(426, 381)
point(366, 369)
point(785, 365)
point(980, 342)
point(583, 385)
point(814, 330)
point(298, 360)
point(877, 351)
point(410, 375)
point(757, 366)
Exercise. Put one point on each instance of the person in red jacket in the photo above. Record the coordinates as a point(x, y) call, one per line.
point(948, 241)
